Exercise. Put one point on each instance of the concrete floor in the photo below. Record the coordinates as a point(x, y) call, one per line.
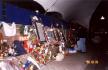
point(74, 61)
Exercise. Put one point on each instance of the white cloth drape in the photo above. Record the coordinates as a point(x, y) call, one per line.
point(81, 44)
point(9, 30)
point(26, 30)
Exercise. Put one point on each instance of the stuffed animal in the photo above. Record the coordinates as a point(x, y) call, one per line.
point(59, 57)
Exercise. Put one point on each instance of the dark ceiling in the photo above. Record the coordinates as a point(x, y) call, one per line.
point(74, 10)
point(27, 4)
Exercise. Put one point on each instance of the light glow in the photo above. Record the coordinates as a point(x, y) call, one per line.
point(102, 18)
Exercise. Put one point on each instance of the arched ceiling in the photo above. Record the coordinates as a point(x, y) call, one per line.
point(78, 10)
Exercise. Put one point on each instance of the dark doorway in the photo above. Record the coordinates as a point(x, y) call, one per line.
point(98, 34)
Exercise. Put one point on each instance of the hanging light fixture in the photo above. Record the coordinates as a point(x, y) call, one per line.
point(102, 18)
point(37, 11)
